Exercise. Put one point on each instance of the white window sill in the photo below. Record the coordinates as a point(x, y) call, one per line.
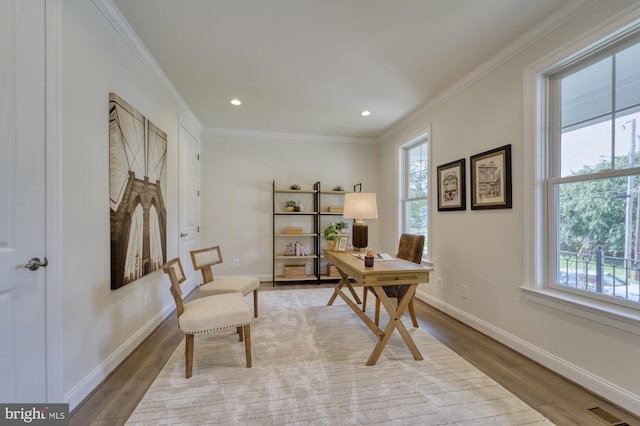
point(614, 316)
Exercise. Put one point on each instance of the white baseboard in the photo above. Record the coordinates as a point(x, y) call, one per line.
point(81, 390)
point(595, 384)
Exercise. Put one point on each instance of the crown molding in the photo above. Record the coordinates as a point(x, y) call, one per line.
point(540, 30)
point(300, 137)
point(113, 15)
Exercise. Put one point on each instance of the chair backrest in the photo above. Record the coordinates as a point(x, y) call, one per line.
point(204, 259)
point(176, 275)
point(410, 247)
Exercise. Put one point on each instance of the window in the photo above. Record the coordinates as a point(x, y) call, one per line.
point(593, 181)
point(415, 190)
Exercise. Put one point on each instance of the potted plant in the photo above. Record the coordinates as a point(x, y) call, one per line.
point(341, 227)
point(290, 205)
point(331, 234)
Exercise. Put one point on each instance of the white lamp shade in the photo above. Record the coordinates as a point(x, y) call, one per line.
point(360, 205)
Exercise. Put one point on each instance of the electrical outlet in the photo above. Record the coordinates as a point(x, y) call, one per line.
point(440, 283)
point(236, 262)
point(465, 291)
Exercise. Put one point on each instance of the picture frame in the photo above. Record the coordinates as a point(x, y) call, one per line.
point(342, 243)
point(451, 186)
point(491, 179)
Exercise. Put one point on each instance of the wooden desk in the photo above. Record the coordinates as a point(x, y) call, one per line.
point(390, 272)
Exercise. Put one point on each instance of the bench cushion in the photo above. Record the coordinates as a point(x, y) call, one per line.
point(244, 285)
point(213, 313)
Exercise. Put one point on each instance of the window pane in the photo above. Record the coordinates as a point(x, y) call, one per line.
point(417, 215)
point(586, 94)
point(628, 77)
point(417, 172)
point(585, 149)
point(598, 246)
point(627, 139)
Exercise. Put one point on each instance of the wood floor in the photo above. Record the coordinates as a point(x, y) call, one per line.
point(561, 401)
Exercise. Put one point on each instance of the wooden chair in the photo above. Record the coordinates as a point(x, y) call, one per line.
point(204, 260)
point(409, 248)
point(207, 314)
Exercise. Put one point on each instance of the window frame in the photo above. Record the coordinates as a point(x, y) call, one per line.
point(555, 179)
point(403, 187)
point(538, 261)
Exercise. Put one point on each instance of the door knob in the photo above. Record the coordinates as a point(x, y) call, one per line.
point(35, 264)
point(183, 234)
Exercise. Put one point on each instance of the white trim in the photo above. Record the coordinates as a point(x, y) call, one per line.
point(536, 220)
point(596, 384)
point(601, 312)
point(540, 30)
point(122, 28)
point(54, 217)
point(287, 136)
point(83, 388)
point(422, 135)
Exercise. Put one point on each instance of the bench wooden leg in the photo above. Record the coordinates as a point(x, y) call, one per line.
point(247, 344)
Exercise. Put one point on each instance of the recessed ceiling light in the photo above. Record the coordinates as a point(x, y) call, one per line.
point(365, 113)
point(236, 102)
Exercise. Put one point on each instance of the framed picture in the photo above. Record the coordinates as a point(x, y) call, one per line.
point(451, 186)
point(491, 179)
point(342, 244)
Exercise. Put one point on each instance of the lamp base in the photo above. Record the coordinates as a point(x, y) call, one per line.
point(360, 238)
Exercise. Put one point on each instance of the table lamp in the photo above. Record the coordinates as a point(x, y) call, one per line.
point(358, 206)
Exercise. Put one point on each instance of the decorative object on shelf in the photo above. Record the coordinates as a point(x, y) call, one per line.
point(338, 188)
point(295, 271)
point(296, 249)
point(292, 230)
point(358, 206)
point(336, 209)
point(290, 205)
point(491, 179)
point(295, 187)
point(451, 186)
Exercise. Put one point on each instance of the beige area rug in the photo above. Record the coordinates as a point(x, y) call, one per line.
point(309, 369)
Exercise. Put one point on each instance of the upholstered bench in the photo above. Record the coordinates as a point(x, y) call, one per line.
point(208, 314)
point(204, 260)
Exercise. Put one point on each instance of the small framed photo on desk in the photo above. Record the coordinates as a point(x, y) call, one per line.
point(342, 244)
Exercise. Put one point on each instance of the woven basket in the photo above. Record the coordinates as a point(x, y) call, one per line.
point(295, 271)
point(332, 271)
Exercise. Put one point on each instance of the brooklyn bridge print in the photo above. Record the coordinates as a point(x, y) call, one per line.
point(137, 181)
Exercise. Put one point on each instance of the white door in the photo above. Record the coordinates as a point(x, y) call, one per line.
point(189, 197)
point(22, 201)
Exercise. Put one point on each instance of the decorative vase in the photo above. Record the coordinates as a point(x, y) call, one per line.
point(289, 208)
point(331, 245)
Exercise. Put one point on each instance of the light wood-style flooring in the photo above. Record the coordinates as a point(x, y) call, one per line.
point(558, 399)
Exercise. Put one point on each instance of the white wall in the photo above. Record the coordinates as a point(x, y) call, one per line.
point(238, 171)
point(101, 326)
point(484, 249)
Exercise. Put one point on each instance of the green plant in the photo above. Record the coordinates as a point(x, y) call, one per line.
point(341, 226)
point(290, 203)
point(331, 233)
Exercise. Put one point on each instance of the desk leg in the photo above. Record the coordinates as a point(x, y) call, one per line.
point(343, 282)
point(394, 322)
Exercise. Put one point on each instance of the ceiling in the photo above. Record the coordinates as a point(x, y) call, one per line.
point(310, 67)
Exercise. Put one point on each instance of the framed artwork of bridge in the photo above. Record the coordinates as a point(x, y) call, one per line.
point(137, 189)
point(491, 179)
